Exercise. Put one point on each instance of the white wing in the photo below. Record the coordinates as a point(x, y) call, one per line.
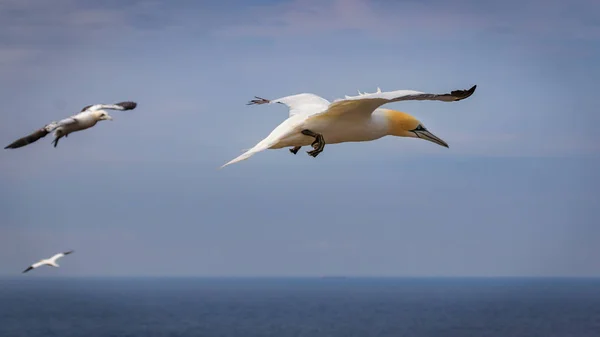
point(118, 106)
point(367, 103)
point(38, 264)
point(286, 128)
point(59, 255)
point(306, 104)
point(35, 265)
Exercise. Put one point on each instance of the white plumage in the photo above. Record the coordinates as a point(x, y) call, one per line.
point(87, 118)
point(352, 119)
point(48, 262)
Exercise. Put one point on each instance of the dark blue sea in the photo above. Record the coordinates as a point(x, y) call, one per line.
point(335, 307)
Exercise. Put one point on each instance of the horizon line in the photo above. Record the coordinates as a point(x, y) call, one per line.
point(325, 277)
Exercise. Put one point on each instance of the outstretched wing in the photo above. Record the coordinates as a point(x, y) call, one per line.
point(412, 95)
point(35, 265)
point(37, 134)
point(40, 133)
point(31, 138)
point(367, 103)
point(307, 104)
point(59, 255)
point(117, 106)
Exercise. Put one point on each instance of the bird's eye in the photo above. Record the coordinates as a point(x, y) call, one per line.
point(420, 128)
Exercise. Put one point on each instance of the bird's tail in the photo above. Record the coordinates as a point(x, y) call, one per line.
point(263, 145)
point(282, 130)
point(243, 156)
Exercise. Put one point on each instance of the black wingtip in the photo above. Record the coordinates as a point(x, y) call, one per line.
point(29, 139)
point(462, 94)
point(15, 145)
point(128, 105)
point(258, 100)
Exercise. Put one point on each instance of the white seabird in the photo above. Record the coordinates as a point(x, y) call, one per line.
point(315, 121)
point(88, 117)
point(48, 262)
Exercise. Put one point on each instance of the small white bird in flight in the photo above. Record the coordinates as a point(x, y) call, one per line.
point(88, 117)
point(48, 262)
point(315, 121)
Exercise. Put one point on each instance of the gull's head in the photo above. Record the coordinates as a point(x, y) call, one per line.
point(402, 124)
point(102, 115)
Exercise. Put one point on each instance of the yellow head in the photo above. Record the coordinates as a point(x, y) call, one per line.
point(404, 125)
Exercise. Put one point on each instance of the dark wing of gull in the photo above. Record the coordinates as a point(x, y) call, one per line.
point(40, 133)
point(127, 105)
point(31, 138)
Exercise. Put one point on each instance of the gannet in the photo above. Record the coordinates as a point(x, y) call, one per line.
point(315, 121)
point(88, 117)
point(48, 262)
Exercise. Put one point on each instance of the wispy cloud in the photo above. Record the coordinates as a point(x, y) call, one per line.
point(33, 30)
point(435, 19)
point(313, 17)
point(44, 24)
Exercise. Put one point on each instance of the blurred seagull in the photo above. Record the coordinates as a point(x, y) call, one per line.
point(315, 121)
point(48, 262)
point(88, 117)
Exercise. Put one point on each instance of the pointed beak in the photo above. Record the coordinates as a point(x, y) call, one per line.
point(425, 134)
point(109, 118)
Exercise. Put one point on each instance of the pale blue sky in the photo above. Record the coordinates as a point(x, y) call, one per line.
point(514, 195)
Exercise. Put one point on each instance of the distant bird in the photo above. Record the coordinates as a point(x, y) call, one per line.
point(315, 121)
point(49, 262)
point(88, 117)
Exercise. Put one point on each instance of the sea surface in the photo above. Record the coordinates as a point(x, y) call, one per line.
point(336, 307)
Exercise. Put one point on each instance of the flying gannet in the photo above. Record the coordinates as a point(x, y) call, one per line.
point(48, 262)
point(315, 121)
point(88, 117)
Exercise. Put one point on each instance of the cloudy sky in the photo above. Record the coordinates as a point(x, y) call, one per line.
point(514, 195)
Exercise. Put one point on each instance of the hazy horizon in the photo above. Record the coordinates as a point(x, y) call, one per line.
point(295, 277)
